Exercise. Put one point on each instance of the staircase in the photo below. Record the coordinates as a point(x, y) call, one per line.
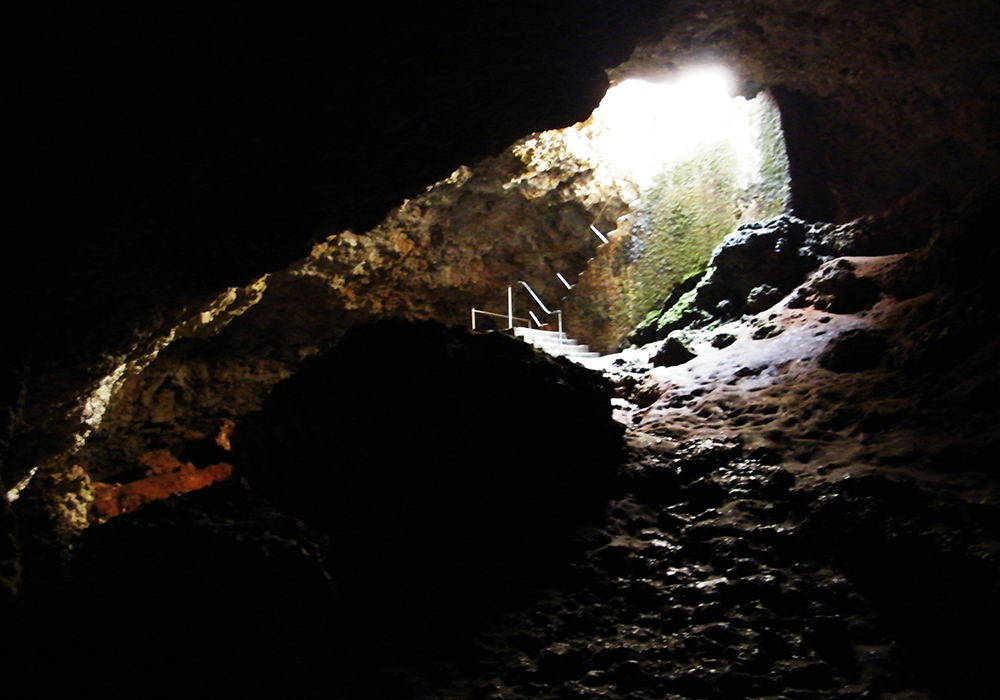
point(555, 344)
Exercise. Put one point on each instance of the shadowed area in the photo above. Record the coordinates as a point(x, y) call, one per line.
point(449, 468)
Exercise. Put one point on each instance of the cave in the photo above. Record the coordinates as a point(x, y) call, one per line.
point(250, 443)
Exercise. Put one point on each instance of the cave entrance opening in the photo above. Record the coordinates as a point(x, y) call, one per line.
point(670, 166)
point(646, 171)
point(643, 126)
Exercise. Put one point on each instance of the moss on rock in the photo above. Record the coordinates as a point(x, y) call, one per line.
point(674, 227)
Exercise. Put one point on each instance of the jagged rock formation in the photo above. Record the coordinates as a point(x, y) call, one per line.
point(455, 247)
point(761, 262)
point(790, 526)
point(875, 100)
point(179, 178)
point(239, 176)
point(523, 215)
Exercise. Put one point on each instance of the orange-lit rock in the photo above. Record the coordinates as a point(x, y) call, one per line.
point(114, 499)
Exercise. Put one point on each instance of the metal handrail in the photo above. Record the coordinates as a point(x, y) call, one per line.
point(535, 297)
point(488, 313)
point(544, 308)
point(604, 239)
point(558, 312)
point(510, 311)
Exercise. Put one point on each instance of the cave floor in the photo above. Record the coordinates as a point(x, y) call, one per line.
point(782, 530)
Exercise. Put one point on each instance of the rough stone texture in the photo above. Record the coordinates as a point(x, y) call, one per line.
point(837, 289)
point(111, 500)
point(10, 556)
point(523, 215)
point(187, 392)
point(759, 263)
point(56, 504)
point(46, 428)
point(242, 168)
point(787, 530)
point(770, 252)
point(176, 153)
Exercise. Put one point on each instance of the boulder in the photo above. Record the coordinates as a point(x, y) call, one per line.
point(672, 353)
point(854, 351)
point(447, 466)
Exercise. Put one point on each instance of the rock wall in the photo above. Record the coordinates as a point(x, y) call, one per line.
point(761, 262)
point(165, 156)
point(457, 246)
point(807, 507)
point(524, 215)
point(10, 556)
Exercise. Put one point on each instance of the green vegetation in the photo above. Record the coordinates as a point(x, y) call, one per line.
point(676, 224)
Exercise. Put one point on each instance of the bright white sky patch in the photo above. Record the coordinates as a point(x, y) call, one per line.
point(640, 127)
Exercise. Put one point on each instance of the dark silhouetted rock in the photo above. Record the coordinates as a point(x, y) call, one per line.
point(447, 466)
point(723, 340)
point(768, 255)
point(671, 353)
point(837, 289)
point(212, 587)
point(854, 351)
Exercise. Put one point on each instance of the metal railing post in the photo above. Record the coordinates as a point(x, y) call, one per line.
point(511, 318)
point(510, 307)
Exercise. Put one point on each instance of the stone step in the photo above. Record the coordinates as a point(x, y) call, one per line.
point(539, 333)
point(554, 343)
